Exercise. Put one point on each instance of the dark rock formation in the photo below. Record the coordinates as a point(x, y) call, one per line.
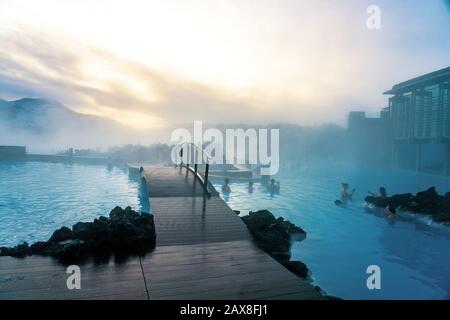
point(20, 250)
point(124, 232)
point(294, 231)
point(425, 202)
point(274, 236)
point(297, 267)
point(61, 234)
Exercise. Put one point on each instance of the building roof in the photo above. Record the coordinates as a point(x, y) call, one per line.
point(427, 79)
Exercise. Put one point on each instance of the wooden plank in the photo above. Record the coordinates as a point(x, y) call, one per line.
point(107, 289)
point(240, 283)
point(171, 182)
point(182, 220)
point(48, 264)
point(210, 271)
point(304, 295)
point(111, 279)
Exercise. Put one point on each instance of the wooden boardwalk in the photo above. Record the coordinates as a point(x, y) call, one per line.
point(203, 251)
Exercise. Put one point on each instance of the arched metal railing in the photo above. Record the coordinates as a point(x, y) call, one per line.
point(187, 154)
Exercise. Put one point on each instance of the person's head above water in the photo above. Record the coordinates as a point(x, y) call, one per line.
point(344, 185)
point(272, 181)
point(227, 181)
point(391, 210)
point(383, 191)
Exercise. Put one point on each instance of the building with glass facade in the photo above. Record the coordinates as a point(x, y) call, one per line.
point(419, 114)
point(413, 132)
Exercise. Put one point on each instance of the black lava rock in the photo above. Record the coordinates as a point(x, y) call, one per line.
point(61, 234)
point(294, 231)
point(18, 251)
point(124, 232)
point(297, 267)
point(425, 202)
point(275, 236)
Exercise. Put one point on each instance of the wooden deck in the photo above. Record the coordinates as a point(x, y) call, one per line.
point(203, 251)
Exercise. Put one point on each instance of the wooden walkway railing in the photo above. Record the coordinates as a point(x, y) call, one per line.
point(204, 250)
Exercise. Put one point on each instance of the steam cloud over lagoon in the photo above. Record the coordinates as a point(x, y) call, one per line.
point(211, 59)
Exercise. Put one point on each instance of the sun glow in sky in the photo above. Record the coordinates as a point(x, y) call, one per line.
point(155, 63)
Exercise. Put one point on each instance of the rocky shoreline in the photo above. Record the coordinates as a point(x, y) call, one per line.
point(123, 233)
point(274, 236)
point(427, 202)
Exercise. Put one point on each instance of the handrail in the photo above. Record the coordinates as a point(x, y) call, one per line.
point(196, 147)
point(188, 145)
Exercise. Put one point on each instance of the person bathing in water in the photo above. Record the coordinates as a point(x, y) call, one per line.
point(391, 212)
point(274, 187)
point(345, 195)
point(226, 186)
point(250, 187)
point(383, 193)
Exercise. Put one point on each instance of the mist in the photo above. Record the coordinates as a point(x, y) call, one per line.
point(46, 126)
point(49, 127)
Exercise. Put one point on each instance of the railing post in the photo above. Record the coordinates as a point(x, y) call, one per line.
point(196, 160)
point(188, 155)
point(181, 157)
point(206, 176)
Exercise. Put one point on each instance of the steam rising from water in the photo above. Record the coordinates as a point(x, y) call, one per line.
point(46, 127)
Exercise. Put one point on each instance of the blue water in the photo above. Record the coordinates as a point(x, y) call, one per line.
point(37, 197)
point(412, 251)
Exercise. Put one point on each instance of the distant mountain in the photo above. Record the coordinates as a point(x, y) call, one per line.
point(46, 123)
point(44, 116)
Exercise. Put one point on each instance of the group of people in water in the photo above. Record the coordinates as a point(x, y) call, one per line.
point(273, 187)
point(347, 196)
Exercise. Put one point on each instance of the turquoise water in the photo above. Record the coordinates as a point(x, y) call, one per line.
point(412, 252)
point(37, 197)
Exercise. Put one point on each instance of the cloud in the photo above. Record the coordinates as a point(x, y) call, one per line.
point(302, 62)
point(95, 81)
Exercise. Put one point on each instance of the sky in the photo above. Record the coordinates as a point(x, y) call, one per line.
point(151, 64)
